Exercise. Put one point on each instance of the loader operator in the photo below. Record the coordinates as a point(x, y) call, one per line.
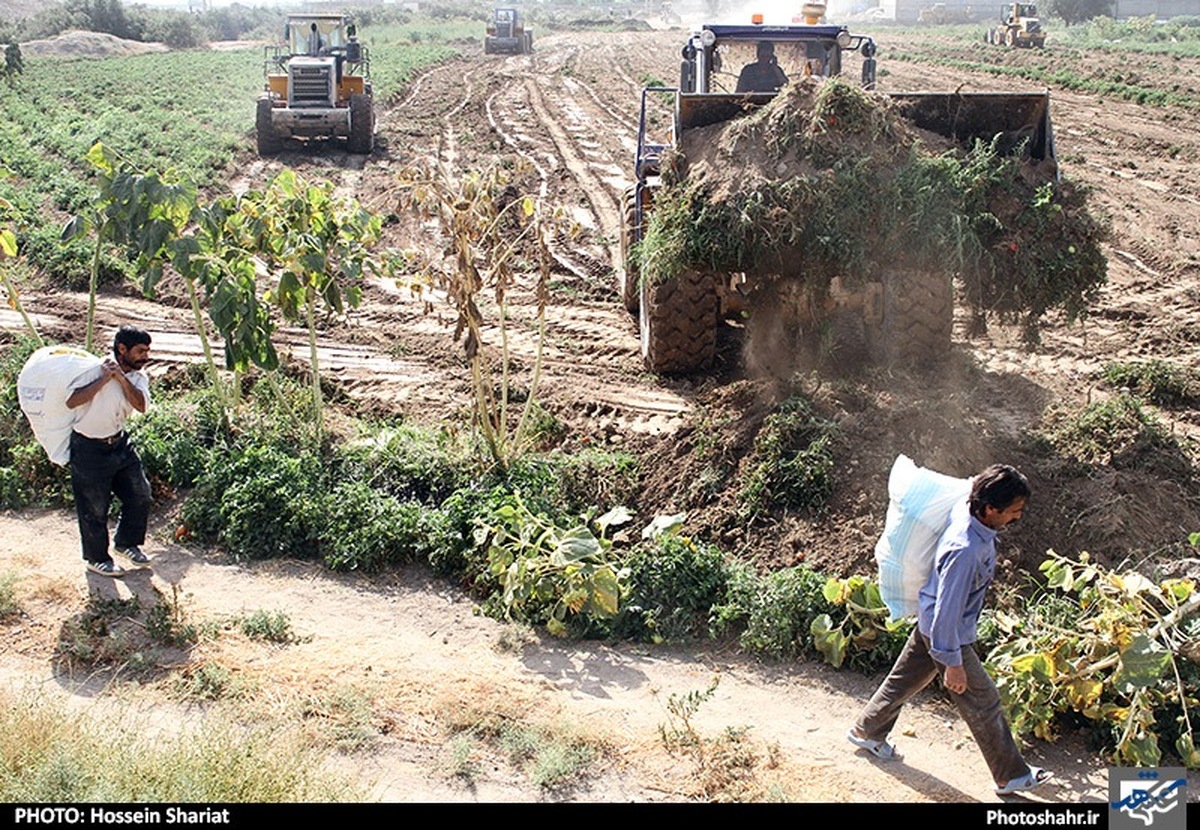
point(764, 75)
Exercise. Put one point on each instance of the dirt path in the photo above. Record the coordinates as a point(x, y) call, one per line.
point(417, 646)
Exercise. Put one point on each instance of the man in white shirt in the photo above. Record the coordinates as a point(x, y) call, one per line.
point(104, 462)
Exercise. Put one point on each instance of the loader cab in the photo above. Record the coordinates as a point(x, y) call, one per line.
point(1016, 12)
point(503, 21)
point(715, 56)
point(317, 35)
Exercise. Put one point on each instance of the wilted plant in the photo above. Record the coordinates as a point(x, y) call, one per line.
point(491, 232)
point(1116, 654)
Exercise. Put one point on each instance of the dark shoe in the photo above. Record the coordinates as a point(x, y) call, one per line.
point(134, 554)
point(106, 568)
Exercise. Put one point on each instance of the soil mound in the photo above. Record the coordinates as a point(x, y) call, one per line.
point(80, 44)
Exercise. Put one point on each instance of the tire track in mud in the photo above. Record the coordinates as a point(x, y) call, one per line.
point(590, 346)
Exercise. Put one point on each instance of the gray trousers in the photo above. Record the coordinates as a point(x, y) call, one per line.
point(979, 705)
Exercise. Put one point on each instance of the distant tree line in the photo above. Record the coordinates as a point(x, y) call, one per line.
point(1077, 11)
point(177, 29)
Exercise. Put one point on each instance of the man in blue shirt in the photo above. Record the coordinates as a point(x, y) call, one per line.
point(943, 640)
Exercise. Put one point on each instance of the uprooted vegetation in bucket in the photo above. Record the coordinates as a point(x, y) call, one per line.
point(828, 187)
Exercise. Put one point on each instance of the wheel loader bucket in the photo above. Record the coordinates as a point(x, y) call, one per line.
point(700, 110)
point(1016, 121)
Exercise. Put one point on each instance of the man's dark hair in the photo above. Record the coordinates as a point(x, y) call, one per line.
point(998, 487)
point(129, 336)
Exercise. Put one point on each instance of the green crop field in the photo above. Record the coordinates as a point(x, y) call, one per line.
point(189, 111)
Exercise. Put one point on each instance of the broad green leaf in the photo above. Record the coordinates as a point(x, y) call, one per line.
point(1082, 693)
point(1040, 664)
point(101, 158)
point(664, 526)
point(1143, 662)
point(76, 226)
point(8, 243)
point(1186, 747)
point(829, 641)
point(834, 591)
point(606, 591)
point(1058, 575)
point(1141, 751)
point(619, 515)
point(1179, 589)
point(577, 544)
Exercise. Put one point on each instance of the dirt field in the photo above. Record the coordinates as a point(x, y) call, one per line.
point(570, 111)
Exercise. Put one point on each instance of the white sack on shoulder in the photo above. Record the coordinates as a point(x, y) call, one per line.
point(45, 383)
point(919, 504)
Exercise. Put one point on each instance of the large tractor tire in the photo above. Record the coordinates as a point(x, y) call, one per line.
point(267, 139)
point(677, 321)
point(362, 125)
point(918, 316)
point(627, 271)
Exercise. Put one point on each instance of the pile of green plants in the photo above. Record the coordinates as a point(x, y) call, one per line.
point(791, 464)
point(830, 180)
point(1160, 382)
point(1113, 647)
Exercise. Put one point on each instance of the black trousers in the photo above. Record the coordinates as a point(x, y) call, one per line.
point(99, 471)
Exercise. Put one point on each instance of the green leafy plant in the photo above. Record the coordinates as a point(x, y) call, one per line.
point(8, 250)
point(367, 529)
point(268, 626)
point(260, 502)
point(209, 680)
point(407, 462)
point(674, 583)
point(866, 628)
point(9, 605)
point(771, 614)
point(1158, 381)
point(553, 574)
point(318, 245)
point(725, 765)
point(1114, 660)
point(550, 759)
point(167, 624)
point(1121, 433)
point(140, 211)
point(792, 462)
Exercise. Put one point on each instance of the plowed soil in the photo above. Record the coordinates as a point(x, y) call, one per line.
point(570, 111)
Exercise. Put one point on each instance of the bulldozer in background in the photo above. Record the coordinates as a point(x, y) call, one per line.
point(318, 86)
point(910, 314)
point(1019, 26)
point(507, 33)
